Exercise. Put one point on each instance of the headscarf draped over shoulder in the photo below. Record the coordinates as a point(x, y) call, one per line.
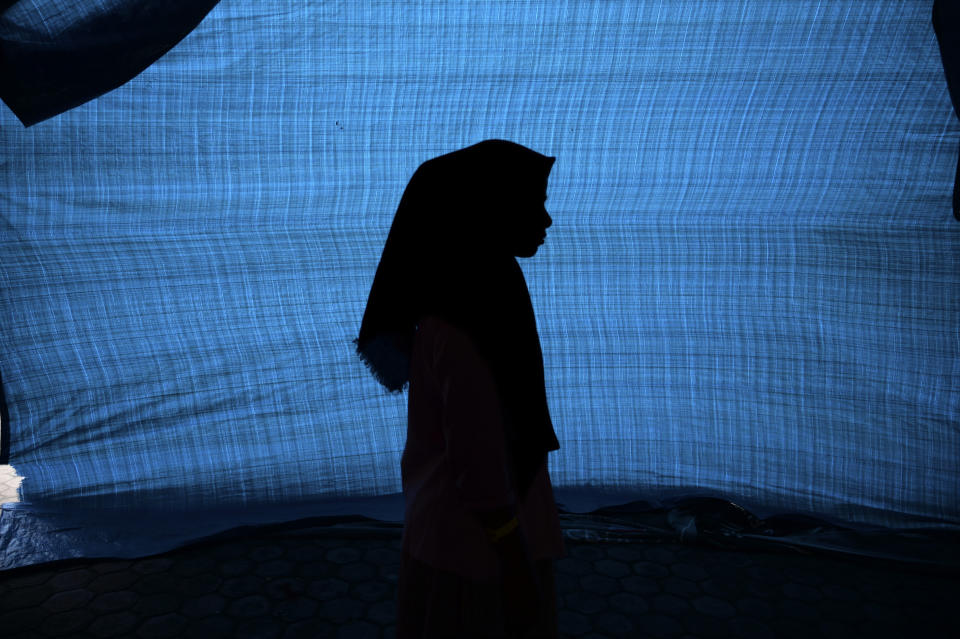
point(447, 255)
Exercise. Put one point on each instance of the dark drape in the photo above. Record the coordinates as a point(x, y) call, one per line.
point(946, 24)
point(55, 57)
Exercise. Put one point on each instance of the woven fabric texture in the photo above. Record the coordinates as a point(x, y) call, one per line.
point(751, 288)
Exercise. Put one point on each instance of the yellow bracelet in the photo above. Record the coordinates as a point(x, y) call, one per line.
point(496, 534)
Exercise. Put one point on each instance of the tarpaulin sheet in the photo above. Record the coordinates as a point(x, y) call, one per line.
point(751, 288)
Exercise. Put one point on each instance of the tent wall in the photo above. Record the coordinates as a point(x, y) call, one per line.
point(751, 289)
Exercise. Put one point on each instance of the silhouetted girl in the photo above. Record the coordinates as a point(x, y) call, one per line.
point(449, 311)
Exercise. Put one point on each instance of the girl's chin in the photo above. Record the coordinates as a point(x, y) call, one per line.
point(528, 252)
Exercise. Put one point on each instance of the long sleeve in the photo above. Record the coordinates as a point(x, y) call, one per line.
point(454, 462)
point(472, 424)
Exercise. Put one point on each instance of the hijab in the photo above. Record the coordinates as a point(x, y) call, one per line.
point(450, 253)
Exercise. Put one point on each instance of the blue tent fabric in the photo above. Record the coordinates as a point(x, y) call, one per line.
point(751, 288)
point(55, 55)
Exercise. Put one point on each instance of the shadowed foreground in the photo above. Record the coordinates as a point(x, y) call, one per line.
point(341, 583)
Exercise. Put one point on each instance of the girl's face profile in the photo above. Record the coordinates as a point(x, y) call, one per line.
point(530, 223)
